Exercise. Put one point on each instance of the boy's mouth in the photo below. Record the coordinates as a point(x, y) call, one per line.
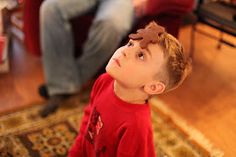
point(117, 62)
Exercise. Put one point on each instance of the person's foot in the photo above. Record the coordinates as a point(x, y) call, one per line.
point(52, 105)
point(43, 91)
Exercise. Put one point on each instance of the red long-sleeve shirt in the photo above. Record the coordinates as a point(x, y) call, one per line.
point(113, 128)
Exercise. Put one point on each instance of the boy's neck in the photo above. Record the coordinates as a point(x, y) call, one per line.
point(130, 95)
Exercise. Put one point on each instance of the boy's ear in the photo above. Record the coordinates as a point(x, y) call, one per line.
point(154, 87)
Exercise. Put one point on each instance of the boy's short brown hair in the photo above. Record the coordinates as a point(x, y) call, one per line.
point(177, 66)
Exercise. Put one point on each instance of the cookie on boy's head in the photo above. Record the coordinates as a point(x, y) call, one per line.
point(148, 35)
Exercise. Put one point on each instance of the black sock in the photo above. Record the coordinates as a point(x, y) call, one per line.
point(52, 105)
point(43, 91)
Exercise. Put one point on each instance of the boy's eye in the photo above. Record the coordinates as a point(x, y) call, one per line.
point(141, 55)
point(130, 44)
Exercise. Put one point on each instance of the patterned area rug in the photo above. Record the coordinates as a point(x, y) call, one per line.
point(25, 134)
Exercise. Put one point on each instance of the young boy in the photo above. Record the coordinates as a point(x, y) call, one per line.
point(117, 121)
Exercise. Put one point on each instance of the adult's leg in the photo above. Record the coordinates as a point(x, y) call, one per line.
point(113, 21)
point(58, 45)
point(58, 48)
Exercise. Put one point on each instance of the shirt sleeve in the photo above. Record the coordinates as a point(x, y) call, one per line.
point(77, 147)
point(136, 143)
point(89, 107)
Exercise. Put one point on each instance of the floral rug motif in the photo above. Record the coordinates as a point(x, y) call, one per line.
point(25, 134)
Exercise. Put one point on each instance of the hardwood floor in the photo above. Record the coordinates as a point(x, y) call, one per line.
point(18, 88)
point(206, 99)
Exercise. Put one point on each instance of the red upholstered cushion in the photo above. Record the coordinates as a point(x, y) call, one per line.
point(31, 26)
point(155, 7)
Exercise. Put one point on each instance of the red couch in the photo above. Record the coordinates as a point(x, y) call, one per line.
point(167, 13)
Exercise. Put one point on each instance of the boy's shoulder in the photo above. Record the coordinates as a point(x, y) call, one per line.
point(102, 81)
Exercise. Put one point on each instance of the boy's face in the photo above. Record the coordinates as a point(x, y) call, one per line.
point(133, 66)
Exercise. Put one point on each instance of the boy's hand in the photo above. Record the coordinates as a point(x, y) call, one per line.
point(139, 7)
